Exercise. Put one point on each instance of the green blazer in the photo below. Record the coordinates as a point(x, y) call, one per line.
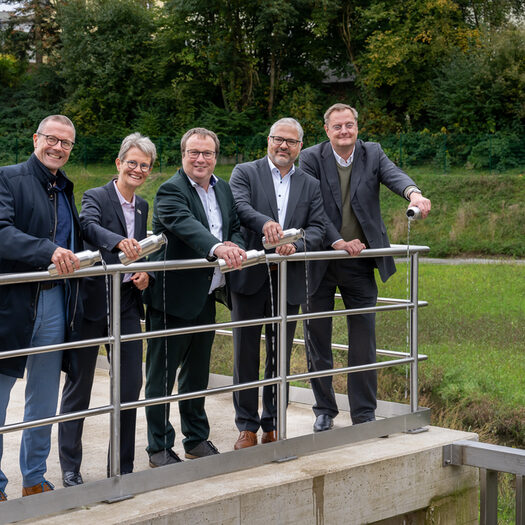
point(179, 214)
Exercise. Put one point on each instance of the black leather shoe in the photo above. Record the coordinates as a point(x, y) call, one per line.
point(323, 422)
point(163, 457)
point(203, 449)
point(71, 479)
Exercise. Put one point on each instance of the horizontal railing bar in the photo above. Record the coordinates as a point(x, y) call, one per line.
point(486, 456)
point(349, 369)
point(200, 328)
point(200, 393)
point(188, 264)
point(337, 346)
point(56, 419)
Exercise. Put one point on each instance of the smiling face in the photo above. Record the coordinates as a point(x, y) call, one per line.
point(198, 168)
point(342, 132)
point(129, 179)
point(283, 155)
point(53, 157)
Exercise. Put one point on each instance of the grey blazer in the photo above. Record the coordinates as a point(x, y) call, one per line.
point(371, 167)
point(254, 193)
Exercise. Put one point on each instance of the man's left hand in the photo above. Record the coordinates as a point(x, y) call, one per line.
point(416, 199)
point(140, 280)
point(285, 249)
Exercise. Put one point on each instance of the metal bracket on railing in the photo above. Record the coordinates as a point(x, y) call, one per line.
point(490, 459)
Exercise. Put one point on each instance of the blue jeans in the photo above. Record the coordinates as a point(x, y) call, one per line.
point(41, 394)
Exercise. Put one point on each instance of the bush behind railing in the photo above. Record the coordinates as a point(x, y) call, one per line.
point(496, 151)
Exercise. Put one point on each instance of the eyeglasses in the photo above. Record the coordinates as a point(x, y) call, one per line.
point(348, 125)
point(193, 154)
point(289, 142)
point(143, 166)
point(52, 141)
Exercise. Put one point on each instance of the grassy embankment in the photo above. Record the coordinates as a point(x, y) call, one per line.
point(474, 327)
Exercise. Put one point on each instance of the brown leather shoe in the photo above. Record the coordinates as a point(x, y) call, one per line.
point(3, 496)
point(269, 437)
point(45, 486)
point(246, 439)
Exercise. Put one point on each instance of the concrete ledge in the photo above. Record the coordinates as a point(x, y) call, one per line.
point(362, 483)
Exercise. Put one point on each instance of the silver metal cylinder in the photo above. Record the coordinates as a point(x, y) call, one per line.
point(253, 257)
point(86, 258)
point(148, 245)
point(291, 235)
point(413, 213)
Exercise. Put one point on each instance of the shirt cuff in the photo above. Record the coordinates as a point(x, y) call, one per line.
point(410, 189)
point(332, 245)
point(210, 253)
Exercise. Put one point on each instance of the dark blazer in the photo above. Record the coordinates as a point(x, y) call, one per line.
point(179, 214)
point(103, 227)
point(253, 189)
point(27, 223)
point(371, 167)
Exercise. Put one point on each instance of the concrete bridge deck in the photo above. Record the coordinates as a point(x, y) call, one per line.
point(399, 479)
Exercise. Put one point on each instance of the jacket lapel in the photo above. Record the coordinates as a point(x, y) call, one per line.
point(197, 203)
point(113, 198)
point(296, 189)
point(332, 177)
point(266, 179)
point(357, 172)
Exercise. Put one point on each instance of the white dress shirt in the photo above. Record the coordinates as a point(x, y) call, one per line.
point(214, 216)
point(281, 186)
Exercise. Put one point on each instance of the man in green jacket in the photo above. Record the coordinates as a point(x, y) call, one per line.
point(196, 212)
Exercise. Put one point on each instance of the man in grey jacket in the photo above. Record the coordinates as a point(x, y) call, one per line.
point(350, 172)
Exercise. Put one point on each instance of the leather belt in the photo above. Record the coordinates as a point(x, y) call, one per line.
point(48, 285)
point(273, 267)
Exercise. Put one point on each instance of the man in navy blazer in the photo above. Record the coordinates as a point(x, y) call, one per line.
point(350, 172)
point(113, 219)
point(196, 212)
point(38, 226)
point(272, 195)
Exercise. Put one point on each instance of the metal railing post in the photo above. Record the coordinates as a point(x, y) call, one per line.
point(282, 353)
point(114, 446)
point(520, 498)
point(488, 481)
point(414, 270)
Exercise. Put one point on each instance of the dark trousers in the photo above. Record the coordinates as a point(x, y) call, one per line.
point(246, 352)
point(192, 353)
point(79, 380)
point(356, 282)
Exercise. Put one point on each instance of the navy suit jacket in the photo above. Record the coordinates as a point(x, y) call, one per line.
point(371, 167)
point(254, 192)
point(103, 227)
point(179, 214)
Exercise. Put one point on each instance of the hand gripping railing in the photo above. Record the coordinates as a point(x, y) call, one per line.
point(118, 486)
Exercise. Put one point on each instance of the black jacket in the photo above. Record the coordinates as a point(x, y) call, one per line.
point(27, 228)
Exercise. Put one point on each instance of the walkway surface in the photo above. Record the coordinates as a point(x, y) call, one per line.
point(211, 499)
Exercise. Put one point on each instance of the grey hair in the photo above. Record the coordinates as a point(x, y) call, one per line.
point(287, 121)
point(55, 118)
point(144, 144)
point(339, 107)
point(202, 132)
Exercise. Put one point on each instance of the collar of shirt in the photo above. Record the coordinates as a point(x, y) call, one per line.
point(122, 200)
point(213, 181)
point(275, 170)
point(342, 162)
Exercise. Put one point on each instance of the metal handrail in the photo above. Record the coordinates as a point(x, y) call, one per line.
point(490, 459)
point(281, 379)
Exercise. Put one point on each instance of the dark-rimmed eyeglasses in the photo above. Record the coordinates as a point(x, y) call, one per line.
point(53, 141)
point(133, 165)
point(193, 154)
point(289, 142)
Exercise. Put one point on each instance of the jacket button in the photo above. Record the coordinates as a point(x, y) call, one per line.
point(209, 278)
